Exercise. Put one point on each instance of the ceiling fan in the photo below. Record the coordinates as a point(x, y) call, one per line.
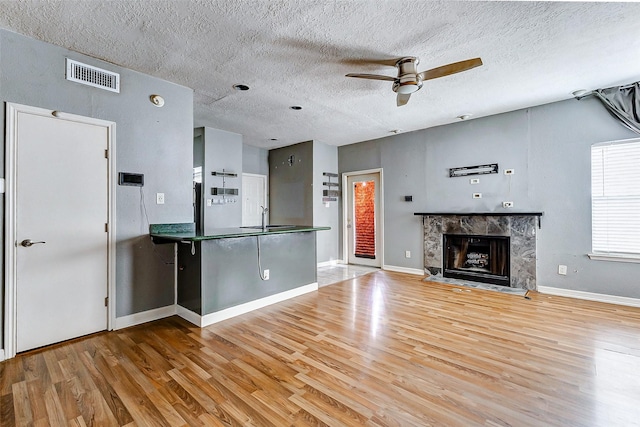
point(410, 81)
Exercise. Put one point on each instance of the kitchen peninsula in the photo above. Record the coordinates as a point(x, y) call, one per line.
point(222, 274)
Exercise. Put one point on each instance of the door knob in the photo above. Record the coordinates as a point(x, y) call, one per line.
point(28, 243)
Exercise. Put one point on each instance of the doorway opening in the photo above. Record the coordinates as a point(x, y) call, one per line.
point(363, 218)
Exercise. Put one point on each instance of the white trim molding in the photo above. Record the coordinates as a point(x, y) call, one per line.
point(590, 296)
point(331, 263)
point(634, 258)
point(227, 313)
point(1, 355)
point(407, 270)
point(144, 317)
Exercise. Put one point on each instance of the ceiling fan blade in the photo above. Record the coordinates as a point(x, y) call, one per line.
point(372, 77)
point(403, 98)
point(446, 70)
point(369, 62)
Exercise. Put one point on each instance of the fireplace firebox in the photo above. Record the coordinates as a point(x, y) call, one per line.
point(477, 258)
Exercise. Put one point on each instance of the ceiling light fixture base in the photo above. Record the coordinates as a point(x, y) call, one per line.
point(157, 100)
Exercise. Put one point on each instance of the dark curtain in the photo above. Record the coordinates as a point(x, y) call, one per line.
point(623, 102)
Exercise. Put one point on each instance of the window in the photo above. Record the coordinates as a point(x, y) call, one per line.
point(615, 198)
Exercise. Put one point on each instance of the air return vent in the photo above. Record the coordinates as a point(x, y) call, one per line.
point(92, 76)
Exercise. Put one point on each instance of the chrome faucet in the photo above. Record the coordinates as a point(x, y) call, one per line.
point(264, 218)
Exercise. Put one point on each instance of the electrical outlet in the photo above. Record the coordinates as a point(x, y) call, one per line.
point(159, 198)
point(562, 270)
point(477, 195)
point(474, 181)
point(265, 274)
point(507, 204)
point(209, 202)
point(509, 171)
point(407, 254)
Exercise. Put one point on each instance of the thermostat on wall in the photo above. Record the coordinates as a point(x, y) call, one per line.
point(135, 179)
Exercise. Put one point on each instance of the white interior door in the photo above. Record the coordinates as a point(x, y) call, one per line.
point(363, 220)
point(254, 195)
point(61, 205)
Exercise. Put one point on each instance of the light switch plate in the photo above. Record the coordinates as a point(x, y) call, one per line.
point(477, 195)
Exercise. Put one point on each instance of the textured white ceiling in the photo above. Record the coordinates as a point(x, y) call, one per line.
point(297, 53)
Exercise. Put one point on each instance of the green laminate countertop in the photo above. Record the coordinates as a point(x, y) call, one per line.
point(175, 233)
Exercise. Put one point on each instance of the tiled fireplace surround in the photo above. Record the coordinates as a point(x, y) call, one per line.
point(520, 228)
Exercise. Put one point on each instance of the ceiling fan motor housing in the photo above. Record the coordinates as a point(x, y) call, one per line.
point(408, 80)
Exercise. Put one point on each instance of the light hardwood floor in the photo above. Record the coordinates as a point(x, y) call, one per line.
point(385, 349)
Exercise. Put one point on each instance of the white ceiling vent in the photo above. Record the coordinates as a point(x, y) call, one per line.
point(92, 76)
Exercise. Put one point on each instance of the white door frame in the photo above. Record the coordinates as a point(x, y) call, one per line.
point(345, 195)
point(10, 248)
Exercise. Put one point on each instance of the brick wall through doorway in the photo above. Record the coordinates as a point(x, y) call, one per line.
point(365, 224)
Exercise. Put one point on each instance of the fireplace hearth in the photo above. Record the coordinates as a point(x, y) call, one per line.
point(477, 258)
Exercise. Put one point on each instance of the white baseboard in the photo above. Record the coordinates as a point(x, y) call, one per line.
point(227, 313)
point(407, 270)
point(144, 317)
point(591, 296)
point(328, 263)
point(1, 355)
point(189, 315)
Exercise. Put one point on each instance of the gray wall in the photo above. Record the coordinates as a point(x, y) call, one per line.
point(222, 151)
point(291, 187)
point(295, 192)
point(549, 148)
point(255, 160)
point(325, 159)
point(150, 140)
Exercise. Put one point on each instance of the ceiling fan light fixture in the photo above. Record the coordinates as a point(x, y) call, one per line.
point(409, 80)
point(405, 89)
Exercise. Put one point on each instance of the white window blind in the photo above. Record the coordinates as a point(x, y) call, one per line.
point(615, 197)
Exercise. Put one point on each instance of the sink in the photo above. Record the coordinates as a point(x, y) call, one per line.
point(268, 227)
